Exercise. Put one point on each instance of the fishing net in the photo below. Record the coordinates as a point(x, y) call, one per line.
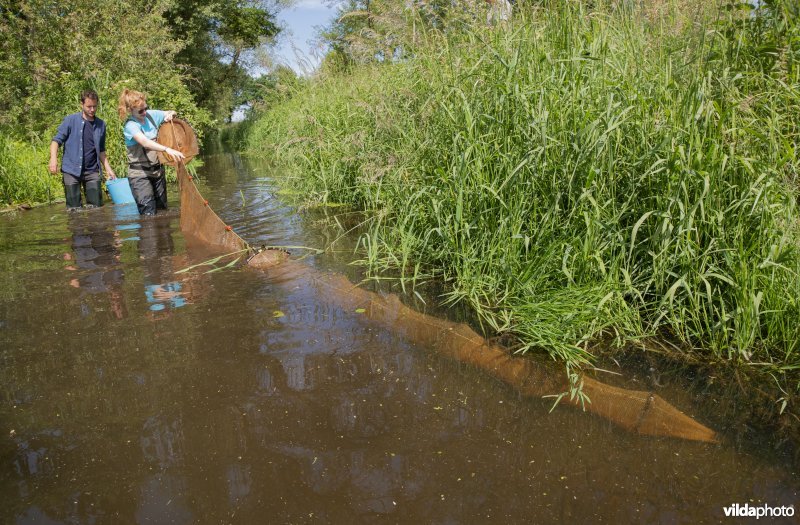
point(199, 221)
point(178, 135)
point(636, 411)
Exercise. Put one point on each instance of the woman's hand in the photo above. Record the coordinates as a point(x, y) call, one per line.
point(175, 154)
point(169, 115)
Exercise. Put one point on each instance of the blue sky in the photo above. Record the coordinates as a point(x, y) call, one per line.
point(294, 47)
point(299, 22)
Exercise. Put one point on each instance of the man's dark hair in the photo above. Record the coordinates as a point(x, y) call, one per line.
point(90, 94)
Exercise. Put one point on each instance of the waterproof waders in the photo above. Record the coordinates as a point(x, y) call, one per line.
point(150, 193)
point(72, 193)
point(94, 194)
point(147, 177)
point(92, 187)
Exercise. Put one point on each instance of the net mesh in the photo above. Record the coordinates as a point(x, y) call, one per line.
point(199, 221)
point(178, 135)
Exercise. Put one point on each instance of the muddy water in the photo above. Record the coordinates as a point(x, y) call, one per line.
point(134, 394)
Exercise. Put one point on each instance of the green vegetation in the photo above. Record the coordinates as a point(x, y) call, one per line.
point(578, 175)
point(23, 173)
point(186, 55)
point(218, 37)
point(259, 95)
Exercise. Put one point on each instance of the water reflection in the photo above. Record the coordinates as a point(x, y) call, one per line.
point(160, 501)
point(161, 441)
point(156, 250)
point(126, 217)
point(223, 412)
point(95, 260)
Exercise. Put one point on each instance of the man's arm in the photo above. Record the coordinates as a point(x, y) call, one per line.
point(104, 158)
point(107, 165)
point(53, 165)
point(61, 136)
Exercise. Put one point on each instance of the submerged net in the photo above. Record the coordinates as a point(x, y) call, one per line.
point(636, 411)
point(199, 221)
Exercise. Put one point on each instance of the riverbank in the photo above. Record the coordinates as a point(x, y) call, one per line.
point(576, 176)
point(24, 178)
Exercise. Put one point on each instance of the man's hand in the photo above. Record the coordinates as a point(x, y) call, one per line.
point(53, 166)
point(110, 175)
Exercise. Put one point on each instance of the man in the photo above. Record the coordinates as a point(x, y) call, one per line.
point(84, 139)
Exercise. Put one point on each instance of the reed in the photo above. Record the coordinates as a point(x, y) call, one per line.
point(577, 175)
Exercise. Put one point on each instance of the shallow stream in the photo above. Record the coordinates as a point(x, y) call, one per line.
point(134, 394)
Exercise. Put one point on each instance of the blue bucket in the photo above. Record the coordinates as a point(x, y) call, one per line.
point(120, 191)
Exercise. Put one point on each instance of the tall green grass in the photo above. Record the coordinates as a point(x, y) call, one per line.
point(578, 175)
point(24, 176)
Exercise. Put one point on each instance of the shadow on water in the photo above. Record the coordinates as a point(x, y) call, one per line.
point(741, 407)
point(132, 393)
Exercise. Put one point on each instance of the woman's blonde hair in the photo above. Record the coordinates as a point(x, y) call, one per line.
point(128, 100)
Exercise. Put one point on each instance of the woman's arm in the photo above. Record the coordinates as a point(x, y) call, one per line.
point(155, 146)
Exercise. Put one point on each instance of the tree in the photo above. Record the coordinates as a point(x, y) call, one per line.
point(269, 89)
point(51, 50)
point(218, 35)
point(381, 30)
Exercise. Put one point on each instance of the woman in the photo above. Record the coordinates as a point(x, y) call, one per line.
point(145, 172)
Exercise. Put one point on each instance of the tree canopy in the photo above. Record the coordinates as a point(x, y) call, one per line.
point(383, 30)
point(218, 37)
point(189, 55)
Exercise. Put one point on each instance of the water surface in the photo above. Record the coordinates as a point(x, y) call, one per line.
point(135, 394)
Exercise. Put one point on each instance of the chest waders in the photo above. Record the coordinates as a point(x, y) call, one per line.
point(72, 195)
point(92, 187)
point(147, 178)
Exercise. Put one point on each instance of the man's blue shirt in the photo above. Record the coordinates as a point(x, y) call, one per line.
point(70, 136)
